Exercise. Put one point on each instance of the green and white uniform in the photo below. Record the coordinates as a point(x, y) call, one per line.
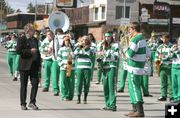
point(99, 69)
point(136, 54)
point(67, 83)
point(83, 68)
point(147, 73)
point(165, 69)
point(56, 45)
point(93, 47)
point(45, 46)
point(11, 56)
point(153, 47)
point(109, 67)
point(176, 75)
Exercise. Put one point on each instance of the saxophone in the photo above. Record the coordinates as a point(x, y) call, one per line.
point(158, 63)
point(69, 63)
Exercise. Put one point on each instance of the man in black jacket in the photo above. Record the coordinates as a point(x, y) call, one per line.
point(29, 64)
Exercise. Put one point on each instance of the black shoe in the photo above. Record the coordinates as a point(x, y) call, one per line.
point(105, 108)
point(112, 109)
point(120, 91)
point(33, 106)
point(148, 95)
point(15, 79)
point(56, 94)
point(171, 100)
point(45, 90)
point(78, 102)
point(23, 107)
point(85, 102)
point(162, 99)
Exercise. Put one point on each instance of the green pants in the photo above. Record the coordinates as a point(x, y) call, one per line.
point(83, 78)
point(165, 76)
point(117, 70)
point(123, 77)
point(134, 85)
point(145, 84)
point(16, 74)
point(47, 72)
point(109, 87)
point(152, 61)
point(99, 75)
point(11, 62)
point(55, 76)
point(93, 64)
point(67, 85)
point(176, 84)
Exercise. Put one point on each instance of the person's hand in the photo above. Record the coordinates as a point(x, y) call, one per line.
point(33, 50)
point(161, 56)
point(50, 50)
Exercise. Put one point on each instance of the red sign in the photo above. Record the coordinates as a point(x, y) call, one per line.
point(161, 9)
point(66, 3)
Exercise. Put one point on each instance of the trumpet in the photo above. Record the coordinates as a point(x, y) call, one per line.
point(104, 45)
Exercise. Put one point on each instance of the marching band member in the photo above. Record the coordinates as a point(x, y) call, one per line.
point(67, 66)
point(109, 57)
point(46, 55)
point(147, 73)
point(116, 47)
point(11, 56)
point(136, 55)
point(93, 46)
point(153, 45)
point(55, 45)
point(99, 63)
point(124, 44)
point(84, 57)
point(164, 66)
point(175, 51)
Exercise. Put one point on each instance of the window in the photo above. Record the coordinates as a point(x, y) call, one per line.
point(120, 12)
point(103, 13)
point(96, 14)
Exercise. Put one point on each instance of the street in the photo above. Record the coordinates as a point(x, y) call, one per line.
point(52, 106)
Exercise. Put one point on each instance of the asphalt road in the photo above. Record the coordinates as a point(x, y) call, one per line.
point(52, 107)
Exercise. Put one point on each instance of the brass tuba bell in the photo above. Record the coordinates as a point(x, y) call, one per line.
point(58, 19)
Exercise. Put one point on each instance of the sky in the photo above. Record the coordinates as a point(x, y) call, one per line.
point(22, 4)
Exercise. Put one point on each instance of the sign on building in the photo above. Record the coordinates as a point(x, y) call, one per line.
point(158, 21)
point(161, 8)
point(144, 15)
point(41, 9)
point(125, 21)
point(66, 3)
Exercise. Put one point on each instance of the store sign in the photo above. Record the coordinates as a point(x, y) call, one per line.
point(158, 21)
point(161, 8)
point(66, 3)
point(41, 9)
point(176, 20)
point(125, 21)
point(144, 15)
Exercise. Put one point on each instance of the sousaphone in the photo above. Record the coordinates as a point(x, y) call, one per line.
point(58, 19)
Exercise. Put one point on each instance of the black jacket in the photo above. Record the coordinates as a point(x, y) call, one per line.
point(26, 61)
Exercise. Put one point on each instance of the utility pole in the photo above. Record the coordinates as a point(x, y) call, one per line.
point(124, 9)
point(35, 11)
point(7, 7)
